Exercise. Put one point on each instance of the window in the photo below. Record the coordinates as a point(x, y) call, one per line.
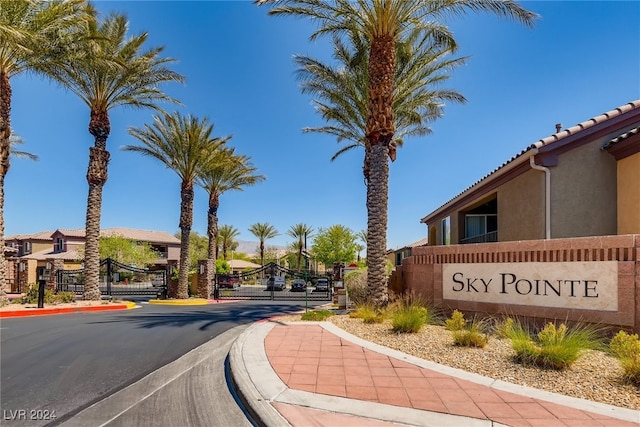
point(26, 248)
point(446, 231)
point(477, 225)
point(59, 245)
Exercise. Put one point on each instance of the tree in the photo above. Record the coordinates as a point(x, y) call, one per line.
point(183, 144)
point(113, 71)
point(342, 90)
point(334, 244)
point(383, 23)
point(125, 251)
point(197, 249)
point(226, 172)
point(227, 239)
point(300, 232)
point(29, 40)
point(362, 236)
point(263, 231)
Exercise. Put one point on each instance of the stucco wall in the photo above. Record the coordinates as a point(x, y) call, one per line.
point(583, 193)
point(629, 195)
point(521, 208)
point(422, 273)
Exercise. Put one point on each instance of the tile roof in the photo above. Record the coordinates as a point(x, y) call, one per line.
point(544, 142)
point(70, 255)
point(129, 233)
point(421, 242)
point(41, 235)
point(621, 138)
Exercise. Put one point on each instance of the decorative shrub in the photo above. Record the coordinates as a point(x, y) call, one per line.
point(504, 327)
point(473, 334)
point(317, 315)
point(626, 348)
point(409, 319)
point(356, 285)
point(456, 322)
point(554, 347)
point(50, 297)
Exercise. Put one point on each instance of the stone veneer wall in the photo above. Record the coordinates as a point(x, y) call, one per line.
point(422, 274)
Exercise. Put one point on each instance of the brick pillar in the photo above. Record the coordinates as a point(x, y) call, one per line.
point(172, 285)
point(56, 264)
point(206, 270)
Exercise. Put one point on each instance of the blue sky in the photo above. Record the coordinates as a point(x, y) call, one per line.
point(581, 59)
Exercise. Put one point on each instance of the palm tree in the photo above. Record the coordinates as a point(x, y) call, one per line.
point(182, 144)
point(263, 231)
point(300, 232)
point(383, 23)
point(14, 141)
point(342, 90)
point(29, 38)
point(362, 235)
point(114, 71)
point(227, 235)
point(226, 172)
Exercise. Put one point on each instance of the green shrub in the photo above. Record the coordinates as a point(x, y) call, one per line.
point(356, 285)
point(50, 297)
point(409, 319)
point(504, 327)
point(626, 348)
point(554, 347)
point(473, 334)
point(317, 315)
point(456, 322)
point(367, 313)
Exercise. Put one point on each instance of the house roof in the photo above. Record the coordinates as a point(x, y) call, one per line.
point(417, 243)
point(47, 254)
point(41, 235)
point(552, 142)
point(129, 233)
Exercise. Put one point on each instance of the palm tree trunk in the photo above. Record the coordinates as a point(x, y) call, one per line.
point(186, 220)
point(212, 227)
point(99, 127)
point(5, 149)
point(379, 132)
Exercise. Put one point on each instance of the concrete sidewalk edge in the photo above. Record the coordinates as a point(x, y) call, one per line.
point(560, 399)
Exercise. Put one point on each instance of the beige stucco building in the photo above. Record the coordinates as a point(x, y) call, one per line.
point(580, 181)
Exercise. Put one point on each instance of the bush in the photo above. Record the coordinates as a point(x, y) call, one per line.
point(50, 297)
point(504, 327)
point(554, 347)
point(317, 315)
point(456, 322)
point(367, 313)
point(626, 348)
point(409, 319)
point(473, 334)
point(356, 285)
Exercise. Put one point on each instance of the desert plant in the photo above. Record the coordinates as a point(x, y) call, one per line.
point(456, 322)
point(472, 334)
point(50, 297)
point(410, 318)
point(368, 313)
point(503, 327)
point(356, 284)
point(626, 348)
point(554, 347)
point(317, 315)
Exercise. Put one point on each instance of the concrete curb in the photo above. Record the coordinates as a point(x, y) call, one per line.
point(66, 310)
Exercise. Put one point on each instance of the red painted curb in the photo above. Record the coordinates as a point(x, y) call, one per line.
point(45, 311)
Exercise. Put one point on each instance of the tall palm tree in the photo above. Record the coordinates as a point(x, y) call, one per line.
point(183, 144)
point(300, 232)
point(342, 89)
point(16, 140)
point(227, 235)
point(384, 23)
point(226, 172)
point(362, 236)
point(29, 39)
point(115, 70)
point(263, 231)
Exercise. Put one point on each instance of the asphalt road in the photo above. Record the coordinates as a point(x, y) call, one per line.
point(59, 365)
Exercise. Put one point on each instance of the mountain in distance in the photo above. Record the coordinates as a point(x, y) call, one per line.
point(252, 247)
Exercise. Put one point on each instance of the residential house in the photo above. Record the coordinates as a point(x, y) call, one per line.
point(580, 181)
point(37, 251)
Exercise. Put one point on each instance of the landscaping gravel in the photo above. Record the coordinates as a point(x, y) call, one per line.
point(595, 376)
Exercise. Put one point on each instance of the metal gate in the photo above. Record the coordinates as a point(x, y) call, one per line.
point(272, 282)
point(117, 279)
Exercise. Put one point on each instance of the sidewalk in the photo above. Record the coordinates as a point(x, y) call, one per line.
point(315, 374)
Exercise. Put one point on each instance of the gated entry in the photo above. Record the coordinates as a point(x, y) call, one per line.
point(263, 283)
point(117, 279)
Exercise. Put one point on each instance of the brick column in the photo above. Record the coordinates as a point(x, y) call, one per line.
point(206, 270)
point(56, 265)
